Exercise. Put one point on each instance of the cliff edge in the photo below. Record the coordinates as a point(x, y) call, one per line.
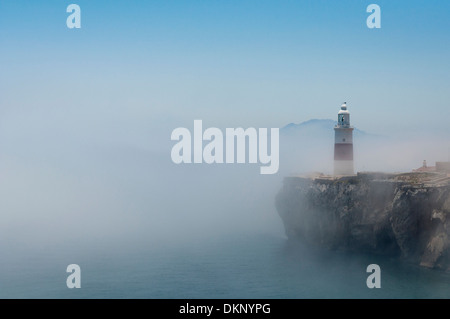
point(405, 215)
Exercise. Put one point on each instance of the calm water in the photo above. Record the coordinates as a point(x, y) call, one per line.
point(257, 266)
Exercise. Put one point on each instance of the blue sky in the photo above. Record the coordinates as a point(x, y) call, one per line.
point(159, 65)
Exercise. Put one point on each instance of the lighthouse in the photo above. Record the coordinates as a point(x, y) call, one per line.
point(343, 143)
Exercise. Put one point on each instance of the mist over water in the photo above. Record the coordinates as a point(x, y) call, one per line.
point(77, 185)
point(111, 200)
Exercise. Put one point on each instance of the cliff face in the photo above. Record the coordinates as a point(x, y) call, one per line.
point(400, 215)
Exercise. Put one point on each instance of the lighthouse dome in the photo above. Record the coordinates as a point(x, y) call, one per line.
point(343, 109)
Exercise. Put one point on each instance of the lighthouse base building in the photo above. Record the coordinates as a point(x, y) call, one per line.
point(343, 143)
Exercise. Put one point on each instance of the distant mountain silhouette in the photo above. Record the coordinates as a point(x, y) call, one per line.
point(317, 126)
point(309, 146)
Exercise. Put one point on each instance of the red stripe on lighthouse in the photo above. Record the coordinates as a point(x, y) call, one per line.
point(343, 152)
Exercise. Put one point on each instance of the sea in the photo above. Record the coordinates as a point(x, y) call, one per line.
point(241, 266)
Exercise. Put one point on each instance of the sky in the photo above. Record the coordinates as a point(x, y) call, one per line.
point(141, 68)
point(86, 114)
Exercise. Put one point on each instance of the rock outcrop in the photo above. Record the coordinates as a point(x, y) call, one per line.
point(405, 215)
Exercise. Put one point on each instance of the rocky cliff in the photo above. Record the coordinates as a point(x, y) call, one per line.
point(405, 215)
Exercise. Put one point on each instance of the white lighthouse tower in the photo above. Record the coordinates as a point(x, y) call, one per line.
point(343, 143)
